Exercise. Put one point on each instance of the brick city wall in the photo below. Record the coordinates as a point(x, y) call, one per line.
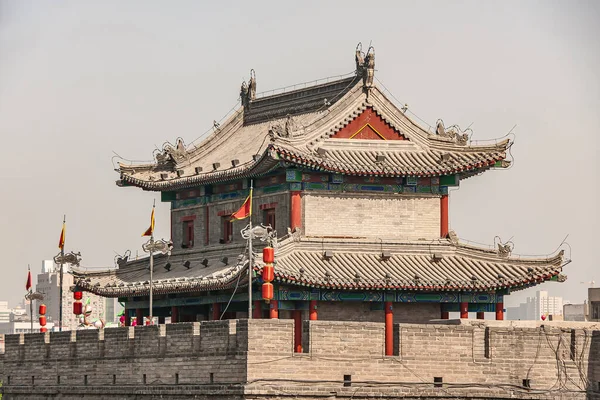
point(255, 359)
point(372, 215)
point(361, 311)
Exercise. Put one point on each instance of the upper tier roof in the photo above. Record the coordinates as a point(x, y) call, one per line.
point(355, 264)
point(319, 127)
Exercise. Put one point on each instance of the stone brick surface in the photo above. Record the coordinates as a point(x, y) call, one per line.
point(371, 215)
point(280, 200)
point(255, 359)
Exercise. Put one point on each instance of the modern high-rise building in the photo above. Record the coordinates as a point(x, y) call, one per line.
point(48, 285)
point(4, 312)
point(536, 307)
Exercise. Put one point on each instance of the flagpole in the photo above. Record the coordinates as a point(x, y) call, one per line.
point(250, 268)
point(151, 260)
point(30, 299)
point(60, 290)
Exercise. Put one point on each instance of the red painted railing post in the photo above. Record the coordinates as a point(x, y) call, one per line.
point(464, 310)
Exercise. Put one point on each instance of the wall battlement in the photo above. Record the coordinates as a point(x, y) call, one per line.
point(250, 357)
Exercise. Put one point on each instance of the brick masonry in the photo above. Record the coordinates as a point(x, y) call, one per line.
point(238, 359)
point(217, 211)
point(371, 215)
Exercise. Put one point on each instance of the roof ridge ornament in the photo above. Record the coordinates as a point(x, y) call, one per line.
point(504, 249)
point(248, 91)
point(453, 132)
point(171, 154)
point(365, 65)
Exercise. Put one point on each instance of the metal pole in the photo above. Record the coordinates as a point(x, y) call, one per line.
point(250, 268)
point(30, 299)
point(60, 289)
point(151, 270)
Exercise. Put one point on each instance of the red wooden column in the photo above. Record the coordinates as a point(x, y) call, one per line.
point(206, 226)
point(499, 311)
point(444, 216)
point(312, 307)
point(389, 329)
point(127, 317)
point(295, 210)
point(480, 315)
point(297, 315)
point(216, 311)
point(174, 314)
point(464, 310)
point(139, 316)
point(257, 310)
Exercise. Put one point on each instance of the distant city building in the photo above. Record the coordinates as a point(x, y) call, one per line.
point(48, 286)
point(536, 307)
point(575, 312)
point(4, 312)
point(594, 304)
point(22, 326)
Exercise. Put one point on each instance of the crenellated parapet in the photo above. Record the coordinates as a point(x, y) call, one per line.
point(256, 359)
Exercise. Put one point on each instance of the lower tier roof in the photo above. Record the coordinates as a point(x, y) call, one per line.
point(342, 264)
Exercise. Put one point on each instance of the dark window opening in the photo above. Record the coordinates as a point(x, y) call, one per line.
point(144, 378)
point(33, 380)
point(58, 379)
point(114, 379)
point(226, 229)
point(437, 381)
point(269, 217)
point(188, 234)
point(347, 380)
point(85, 381)
point(212, 378)
point(176, 378)
point(527, 383)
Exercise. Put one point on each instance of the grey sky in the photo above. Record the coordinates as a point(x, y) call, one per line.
point(81, 79)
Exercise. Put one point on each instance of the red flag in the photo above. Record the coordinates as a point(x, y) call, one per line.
point(245, 210)
point(28, 285)
point(61, 241)
point(150, 230)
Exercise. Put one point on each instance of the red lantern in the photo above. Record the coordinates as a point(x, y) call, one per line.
point(77, 308)
point(77, 295)
point(268, 273)
point(43, 329)
point(268, 255)
point(43, 320)
point(267, 291)
point(42, 309)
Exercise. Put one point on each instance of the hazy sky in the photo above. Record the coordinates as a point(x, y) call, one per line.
point(81, 79)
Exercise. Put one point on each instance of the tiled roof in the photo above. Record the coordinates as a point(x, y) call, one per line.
point(295, 102)
point(133, 278)
point(439, 266)
point(306, 140)
point(354, 264)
